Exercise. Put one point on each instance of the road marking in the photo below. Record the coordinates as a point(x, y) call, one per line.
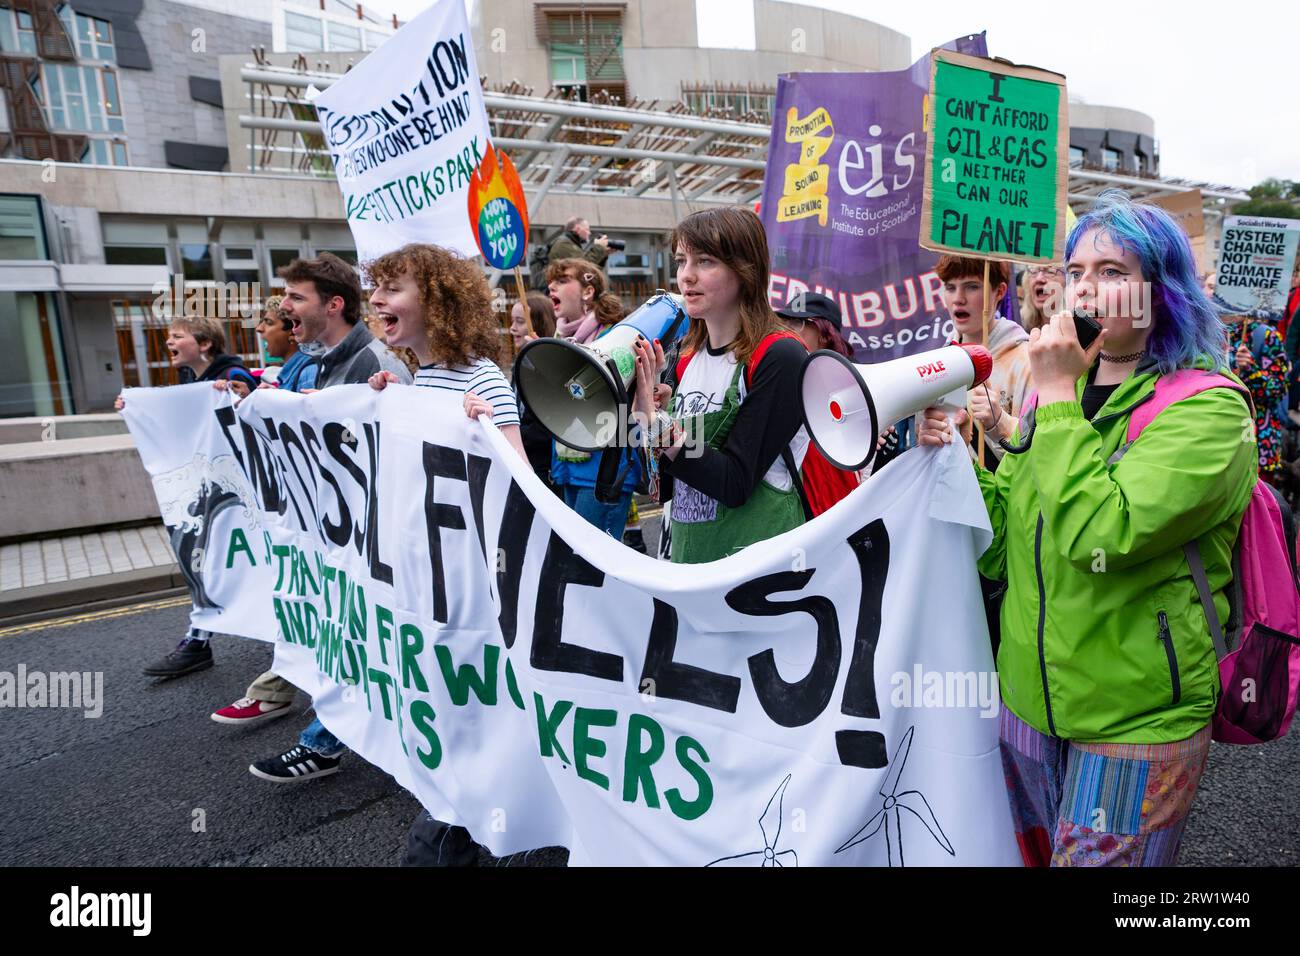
point(95, 616)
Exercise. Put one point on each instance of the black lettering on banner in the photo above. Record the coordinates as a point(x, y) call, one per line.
point(290, 440)
point(560, 568)
point(994, 97)
point(440, 462)
point(338, 437)
point(337, 533)
point(275, 468)
point(791, 703)
point(512, 545)
point(378, 570)
point(866, 748)
point(478, 476)
point(685, 682)
point(260, 475)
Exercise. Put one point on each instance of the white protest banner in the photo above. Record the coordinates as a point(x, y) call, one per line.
point(406, 129)
point(826, 697)
point(1256, 257)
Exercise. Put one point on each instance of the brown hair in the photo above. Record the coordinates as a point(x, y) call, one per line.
point(605, 304)
point(543, 314)
point(456, 300)
point(950, 268)
point(204, 330)
point(734, 236)
point(331, 276)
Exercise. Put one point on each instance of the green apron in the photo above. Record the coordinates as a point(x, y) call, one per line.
point(704, 529)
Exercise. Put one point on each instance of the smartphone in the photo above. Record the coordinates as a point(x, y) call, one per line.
point(1086, 328)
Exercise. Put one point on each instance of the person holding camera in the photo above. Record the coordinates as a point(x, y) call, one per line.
point(576, 243)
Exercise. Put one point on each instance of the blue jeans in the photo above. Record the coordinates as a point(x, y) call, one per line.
point(608, 518)
point(317, 738)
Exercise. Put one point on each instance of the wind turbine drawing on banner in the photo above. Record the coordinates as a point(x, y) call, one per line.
point(890, 815)
point(769, 822)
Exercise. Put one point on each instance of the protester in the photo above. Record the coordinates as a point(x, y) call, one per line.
point(296, 371)
point(572, 244)
point(734, 392)
point(584, 311)
point(197, 348)
point(1043, 286)
point(817, 320)
point(1260, 361)
point(322, 300)
point(536, 439)
point(997, 402)
point(1107, 668)
point(583, 305)
point(438, 307)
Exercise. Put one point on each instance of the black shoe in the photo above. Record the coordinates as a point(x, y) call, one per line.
point(189, 656)
point(295, 765)
point(634, 539)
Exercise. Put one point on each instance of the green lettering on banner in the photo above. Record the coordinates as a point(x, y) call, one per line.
point(461, 680)
point(548, 724)
point(512, 686)
point(296, 634)
point(691, 809)
point(356, 609)
point(585, 745)
point(238, 542)
point(286, 633)
point(384, 681)
point(422, 716)
point(281, 551)
point(1003, 126)
point(412, 645)
point(637, 762)
point(384, 629)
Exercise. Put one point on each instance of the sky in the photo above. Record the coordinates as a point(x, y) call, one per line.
point(1221, 80)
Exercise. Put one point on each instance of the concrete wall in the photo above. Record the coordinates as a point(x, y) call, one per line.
point(661, 47)
point(156, 103)
point(60, 427)
point(1090, 116)
point(63, 486)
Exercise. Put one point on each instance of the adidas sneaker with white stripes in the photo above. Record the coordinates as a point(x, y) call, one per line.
point(295, 765)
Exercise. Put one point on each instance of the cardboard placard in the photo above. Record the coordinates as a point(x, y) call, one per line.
point(996, 160)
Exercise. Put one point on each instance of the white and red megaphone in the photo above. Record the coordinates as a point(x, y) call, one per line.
point(847, 406)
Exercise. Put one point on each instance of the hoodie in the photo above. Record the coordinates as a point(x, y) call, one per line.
point(227, 367)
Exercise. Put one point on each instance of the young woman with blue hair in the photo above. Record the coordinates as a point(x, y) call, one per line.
point(1107, 668)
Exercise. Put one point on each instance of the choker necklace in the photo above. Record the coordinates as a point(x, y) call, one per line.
point(1123, 359)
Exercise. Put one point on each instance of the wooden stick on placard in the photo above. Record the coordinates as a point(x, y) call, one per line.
point(984, 323)
point(523, 301)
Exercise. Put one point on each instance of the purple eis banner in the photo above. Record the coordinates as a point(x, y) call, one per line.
point(842, 203)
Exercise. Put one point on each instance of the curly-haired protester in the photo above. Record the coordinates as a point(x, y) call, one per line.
point(437, 309)
point(197, 347)
point(733, 391)
point(1107, 667)
point(1261, 362)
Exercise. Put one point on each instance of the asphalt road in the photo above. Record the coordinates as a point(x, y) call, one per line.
point(127, 788)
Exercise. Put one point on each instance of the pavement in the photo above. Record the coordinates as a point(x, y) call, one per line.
point(154, 781)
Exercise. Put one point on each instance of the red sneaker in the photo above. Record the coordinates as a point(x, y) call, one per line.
point(249, 711)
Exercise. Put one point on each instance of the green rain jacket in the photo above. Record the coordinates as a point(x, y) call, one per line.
point(1103, 636)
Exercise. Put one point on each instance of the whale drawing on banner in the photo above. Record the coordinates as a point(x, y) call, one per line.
point(190, 498)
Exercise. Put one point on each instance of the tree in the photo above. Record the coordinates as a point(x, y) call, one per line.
point(1276, 198)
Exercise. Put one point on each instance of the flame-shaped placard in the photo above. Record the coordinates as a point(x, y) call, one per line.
point(498, 213)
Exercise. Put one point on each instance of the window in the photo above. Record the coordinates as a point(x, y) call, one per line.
point(22, 235)
point(343, 37)
point(93, 38)
point(1135, 162)
point(135, 255)
point(568, 64)
point(196, 261)
point(282, 257)
point(1076, 156)
point(1110, 158)
point(26, 33)
point(31, 356)
point(302, 34)
point(8, 42)
point(85, 99)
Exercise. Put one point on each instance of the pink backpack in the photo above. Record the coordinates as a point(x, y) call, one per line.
point(1258, 649)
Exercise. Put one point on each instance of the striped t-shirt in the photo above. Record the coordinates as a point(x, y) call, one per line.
point(483, 378)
